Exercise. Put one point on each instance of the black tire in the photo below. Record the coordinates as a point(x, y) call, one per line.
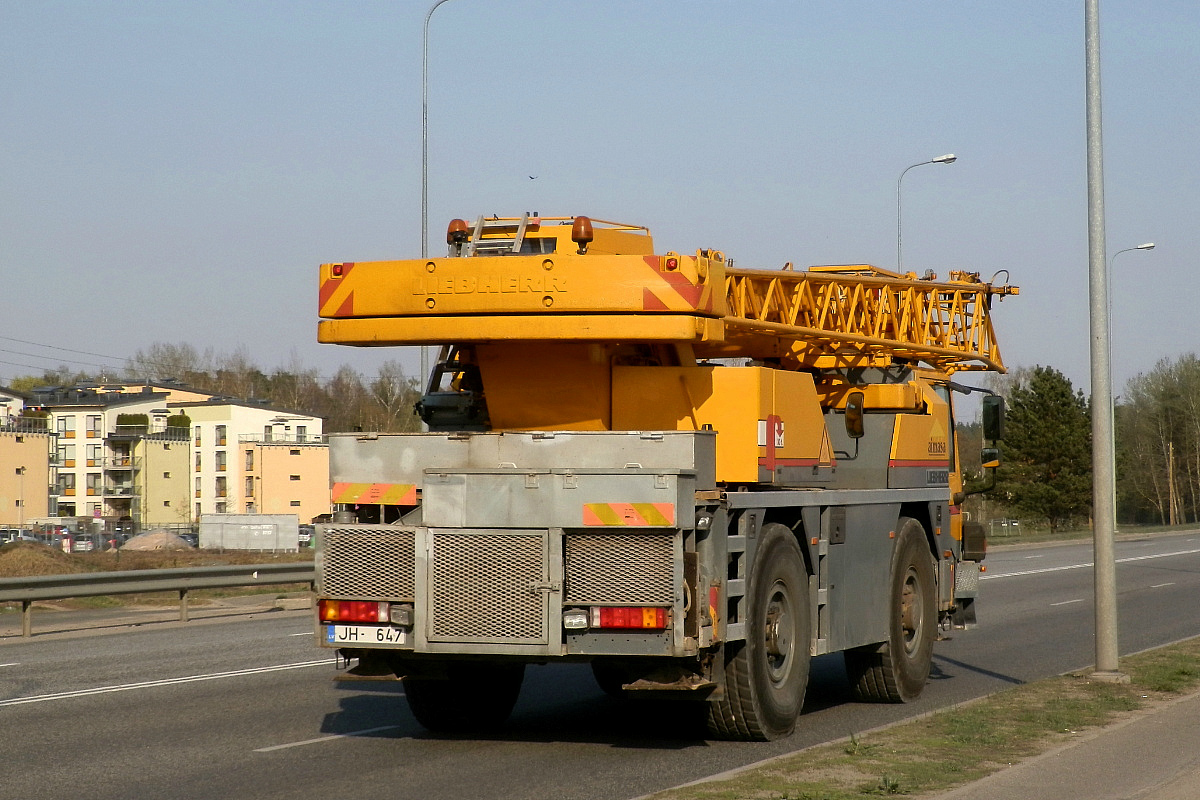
point(473, 698)
point(765, 676)
point(896, 671)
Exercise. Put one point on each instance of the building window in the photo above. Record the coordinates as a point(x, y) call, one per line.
point(293, 477)
point(93, 483)
point(249, 460)
point(93, 455)
point(66, 455)
point(197, 487)
point(301, 433)
point(66, 484)
point(268, 433)
point(197, 436)
point(295, 504)
point(220, 436)
point(198, 511)
point(220, 486)
point(93, 426)
point(197, 462)
point(294, 452)
point(166, 475)
point(220, 461)
point(166, 503)
point(220, 508)
point(249, 487)
point(66, 427)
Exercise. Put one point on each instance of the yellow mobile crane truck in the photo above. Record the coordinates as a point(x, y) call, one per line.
point(692, 476)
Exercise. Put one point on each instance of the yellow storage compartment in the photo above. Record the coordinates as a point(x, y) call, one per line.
point(765, 418)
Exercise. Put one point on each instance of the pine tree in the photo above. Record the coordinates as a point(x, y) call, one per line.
point(1047, 471)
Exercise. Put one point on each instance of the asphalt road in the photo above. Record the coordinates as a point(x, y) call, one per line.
point(247, 709)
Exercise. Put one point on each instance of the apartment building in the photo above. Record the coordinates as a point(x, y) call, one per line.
point(26, 470)
point(118, 456)
point(249, 458)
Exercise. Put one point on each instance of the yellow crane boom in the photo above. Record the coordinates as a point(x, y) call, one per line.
point(569, 279)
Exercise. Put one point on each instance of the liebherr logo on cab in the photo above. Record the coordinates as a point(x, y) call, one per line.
point(489, 284)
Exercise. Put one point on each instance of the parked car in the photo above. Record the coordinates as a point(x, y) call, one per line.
point(16, 535)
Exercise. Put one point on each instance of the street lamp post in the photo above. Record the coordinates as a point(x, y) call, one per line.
point(1170, 471)
point(1104, 571)
point(425, 158)
point(949, 158)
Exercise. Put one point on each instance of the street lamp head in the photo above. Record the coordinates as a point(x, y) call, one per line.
point(1146, 246)
point(949, 158)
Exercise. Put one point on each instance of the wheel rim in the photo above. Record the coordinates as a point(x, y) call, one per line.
point(779, 633)
point(912, 611)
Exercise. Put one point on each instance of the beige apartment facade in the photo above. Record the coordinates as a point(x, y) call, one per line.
point(248, 458)
point(25, 475)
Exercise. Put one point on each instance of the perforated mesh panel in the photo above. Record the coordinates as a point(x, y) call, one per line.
point(375, 561)
point(618, 568)
point(482, 586)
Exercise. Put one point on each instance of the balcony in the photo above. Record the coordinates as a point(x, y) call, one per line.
point(120, 491)
point(121, 463)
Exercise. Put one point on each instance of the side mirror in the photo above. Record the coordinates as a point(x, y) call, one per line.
point(993, 417)
point(854, 415)
point(989, 457)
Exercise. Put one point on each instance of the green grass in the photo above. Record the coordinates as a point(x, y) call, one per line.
point(963, 744)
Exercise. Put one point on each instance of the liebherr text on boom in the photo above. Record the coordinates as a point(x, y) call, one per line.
point(692, 476)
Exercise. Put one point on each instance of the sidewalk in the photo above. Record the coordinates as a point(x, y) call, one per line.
point(1150, 756)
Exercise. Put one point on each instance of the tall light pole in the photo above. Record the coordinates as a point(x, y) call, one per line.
point(1103, 451)
point(949, 158)
point(1170, 470)
point(425, 159)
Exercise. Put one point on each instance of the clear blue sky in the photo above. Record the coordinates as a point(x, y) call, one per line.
point(175, 171)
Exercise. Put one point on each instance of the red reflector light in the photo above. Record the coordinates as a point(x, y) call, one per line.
point(672, 263)
point(632, 617)
point(352, 611)
point(338, 270)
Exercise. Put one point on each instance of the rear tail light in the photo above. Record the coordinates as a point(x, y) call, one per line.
point(629, 617)
point(352, 611)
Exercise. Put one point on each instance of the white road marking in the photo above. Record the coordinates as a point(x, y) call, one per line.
point(1066, 602)
point(1029, 557)
point(1161, 585)
point(306, 633)
point(11, 664)
point(324, 739)
point(41, 698)
point(1088, 565)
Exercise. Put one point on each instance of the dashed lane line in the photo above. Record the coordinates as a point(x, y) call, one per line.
point(127, 687)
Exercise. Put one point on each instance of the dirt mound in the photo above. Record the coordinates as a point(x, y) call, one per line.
point(156, 540)
point(24, 559)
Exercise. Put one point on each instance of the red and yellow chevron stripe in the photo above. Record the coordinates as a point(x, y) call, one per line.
point(390, 494)
point(629, 514)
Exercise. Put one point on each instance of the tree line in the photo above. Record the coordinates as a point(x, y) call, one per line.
point(1046, 475)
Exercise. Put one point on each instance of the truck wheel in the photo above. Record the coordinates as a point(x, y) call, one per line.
point(765, 676)
point(473, 698)
point(895, 671)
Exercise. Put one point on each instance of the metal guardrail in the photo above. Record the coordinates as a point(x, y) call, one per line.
point(58, 587)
